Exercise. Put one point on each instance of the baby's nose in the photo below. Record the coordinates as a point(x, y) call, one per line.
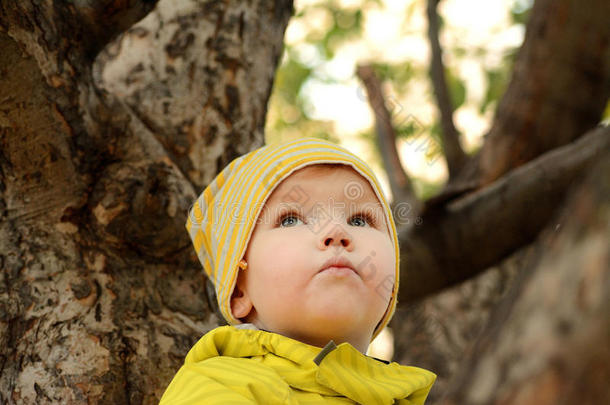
point(336, 235)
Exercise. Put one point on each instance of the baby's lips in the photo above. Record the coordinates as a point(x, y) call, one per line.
point(337, 261)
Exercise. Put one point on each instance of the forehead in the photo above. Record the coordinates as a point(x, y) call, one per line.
point(324, 181)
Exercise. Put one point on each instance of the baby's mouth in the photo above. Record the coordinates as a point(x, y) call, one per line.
point(336, 263)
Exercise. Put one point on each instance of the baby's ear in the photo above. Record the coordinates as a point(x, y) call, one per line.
point(240, 301)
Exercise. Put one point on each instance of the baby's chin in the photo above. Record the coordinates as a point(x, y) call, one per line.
point(343, 318)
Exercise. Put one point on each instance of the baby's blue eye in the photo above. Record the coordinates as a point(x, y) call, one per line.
point(360, 220)
point(289, 220)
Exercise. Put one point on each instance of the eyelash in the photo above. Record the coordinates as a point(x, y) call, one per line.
point(364, 215)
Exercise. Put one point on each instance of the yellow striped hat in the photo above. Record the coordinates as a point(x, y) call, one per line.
point(222, 219)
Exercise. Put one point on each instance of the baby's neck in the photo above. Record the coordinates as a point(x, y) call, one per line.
point(359, 343)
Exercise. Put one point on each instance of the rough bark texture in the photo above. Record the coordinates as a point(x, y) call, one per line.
point(100, 295)
point(198, 75)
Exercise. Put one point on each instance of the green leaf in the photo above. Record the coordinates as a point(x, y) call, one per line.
point(290, 78)
point(347, 23)
point(520, 11)
point(457, 89)
point(496, 85)
point(410, 128)
point(426, 189)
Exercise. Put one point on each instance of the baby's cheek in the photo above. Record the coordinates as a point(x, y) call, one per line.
point(386, 276)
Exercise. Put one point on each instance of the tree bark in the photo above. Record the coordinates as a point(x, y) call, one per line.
point(473, 334)
point(547, 342)
point(198, 75)
point(436, 332)
point(559, 87)
point(454, 154)
point(467, 235)
point(100, 295)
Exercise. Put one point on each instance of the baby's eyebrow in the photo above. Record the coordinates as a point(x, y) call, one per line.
point(295, 194)
point(288, 204)
point(368, 204)
point(280, 207)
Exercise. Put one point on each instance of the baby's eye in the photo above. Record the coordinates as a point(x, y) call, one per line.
point(361, 220)
point(289, 220)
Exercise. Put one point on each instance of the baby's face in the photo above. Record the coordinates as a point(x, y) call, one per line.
point(315, 215)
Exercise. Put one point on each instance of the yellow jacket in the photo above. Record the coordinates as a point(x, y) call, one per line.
point(231, 365)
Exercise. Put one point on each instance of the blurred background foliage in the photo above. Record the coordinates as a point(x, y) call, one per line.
point(316, 91)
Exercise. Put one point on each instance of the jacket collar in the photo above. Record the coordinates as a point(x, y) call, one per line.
point(342, 370)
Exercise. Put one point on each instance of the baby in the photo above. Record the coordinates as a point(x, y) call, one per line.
point(301, 246)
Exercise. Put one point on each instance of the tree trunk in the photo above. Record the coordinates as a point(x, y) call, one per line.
point(547, 342)
point(100, 294)
point(436, 332)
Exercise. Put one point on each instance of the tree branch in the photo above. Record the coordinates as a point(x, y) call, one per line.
point(470, 234)
point(69, 32)
point(559, 88)
point(400, 184)
point(554, 317)
point(454, 154)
